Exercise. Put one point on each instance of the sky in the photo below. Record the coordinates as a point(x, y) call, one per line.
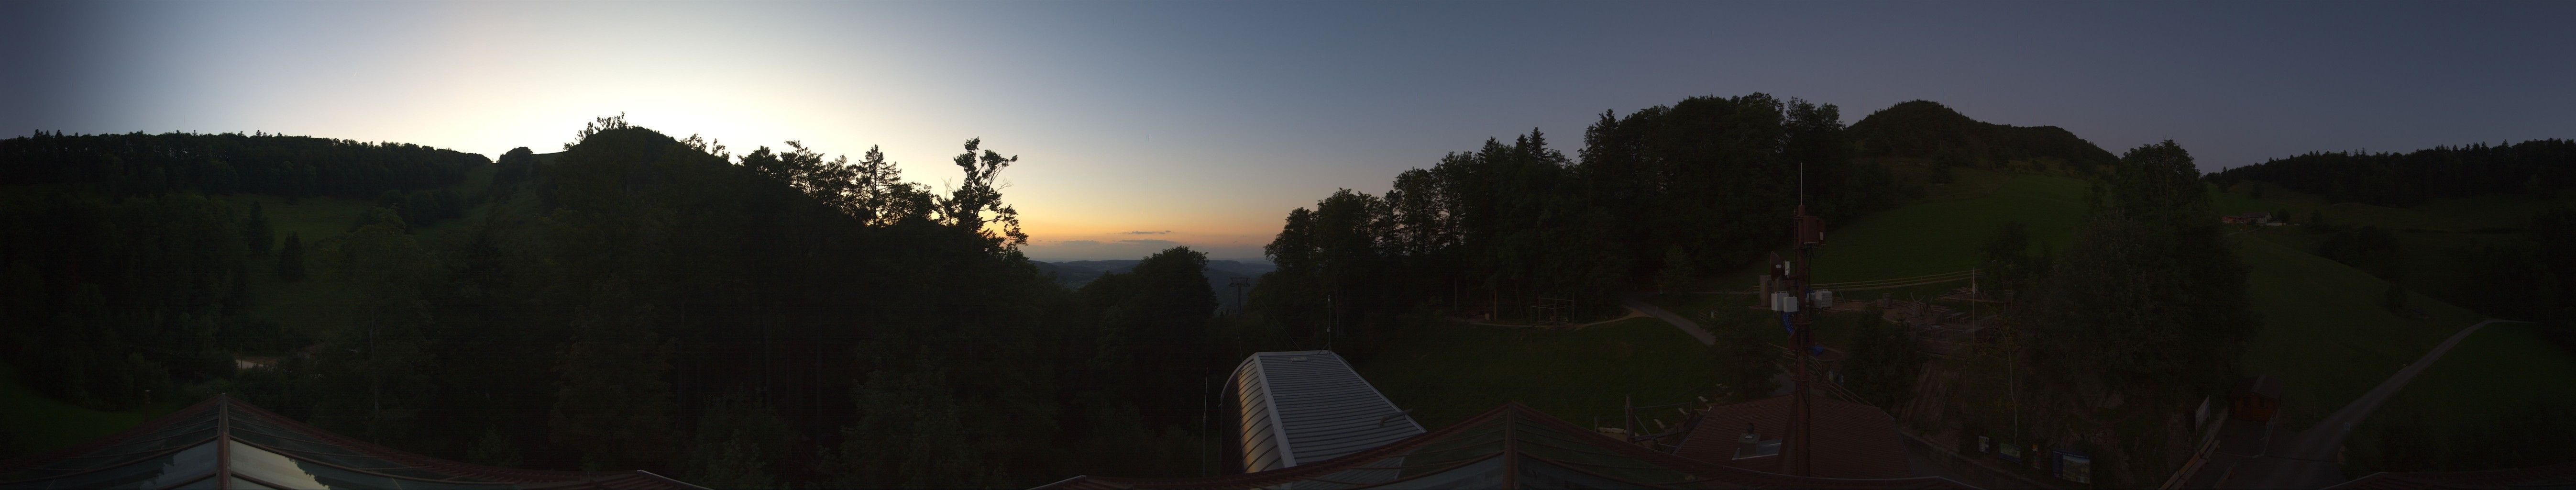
point(1146, 125)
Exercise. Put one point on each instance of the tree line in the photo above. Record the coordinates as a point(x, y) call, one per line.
point(2535, 167)
point(1660, 197)
point(135, 164)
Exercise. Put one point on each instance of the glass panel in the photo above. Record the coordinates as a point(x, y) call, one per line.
point(270, 467)
point(285, 471)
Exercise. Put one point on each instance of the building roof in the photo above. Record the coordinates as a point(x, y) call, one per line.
point(1848, 440)
point(226, 443)
point(1511, 446)
point(1305, 406)
point(2562, 475)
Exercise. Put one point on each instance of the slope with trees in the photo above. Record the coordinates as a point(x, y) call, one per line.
point(1666, 192)
point(637, 301)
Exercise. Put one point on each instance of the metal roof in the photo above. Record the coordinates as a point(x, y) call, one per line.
point(1305, 406)
point(1510, 446)
point(223, 443)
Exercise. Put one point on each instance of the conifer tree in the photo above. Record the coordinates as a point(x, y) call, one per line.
point(290, 259)
point(258, 231)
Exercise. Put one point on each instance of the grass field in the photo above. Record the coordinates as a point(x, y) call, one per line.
point(317, 304)
point(1447, 372)
point(2312, 297)
point(64, 424)
point(2323, 328)
point(2502, 358)
point(2437, 239)
point(2502, 368)
point(1943, 236)
point(2324, 332)
point(1833, 329)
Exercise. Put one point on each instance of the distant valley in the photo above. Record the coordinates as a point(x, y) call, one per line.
point(1220, 274)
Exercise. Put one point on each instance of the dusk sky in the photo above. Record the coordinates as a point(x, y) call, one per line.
point(1140, 125)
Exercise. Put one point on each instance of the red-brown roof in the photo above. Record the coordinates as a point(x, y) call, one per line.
point(1848, 440)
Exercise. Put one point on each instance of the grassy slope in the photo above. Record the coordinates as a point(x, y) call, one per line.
point(63, 424)
point(2495, 371)
point(2484, 374)
point(317, 304)
point(2324, 331)
point(2437, 237)
point(1943, 236)
point(1448, 372)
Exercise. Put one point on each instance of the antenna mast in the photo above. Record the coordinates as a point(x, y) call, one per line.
point(1810, 234)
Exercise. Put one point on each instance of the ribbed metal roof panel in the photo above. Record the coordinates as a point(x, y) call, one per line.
point(1322, 407)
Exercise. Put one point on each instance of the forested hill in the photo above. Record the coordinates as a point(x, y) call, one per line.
point(775, 318)
point(2536, 167)
point(145, 164)
point(1936, 134)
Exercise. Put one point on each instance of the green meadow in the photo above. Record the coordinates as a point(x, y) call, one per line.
point(2323, 328)
point(1447, 372)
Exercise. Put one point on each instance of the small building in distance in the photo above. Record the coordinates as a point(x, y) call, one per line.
point(1297, 407)
point(2253, 218)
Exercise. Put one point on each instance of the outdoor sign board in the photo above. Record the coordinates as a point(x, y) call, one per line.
point(2074, 467)
point(1984, 446)
point(2010, 452)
